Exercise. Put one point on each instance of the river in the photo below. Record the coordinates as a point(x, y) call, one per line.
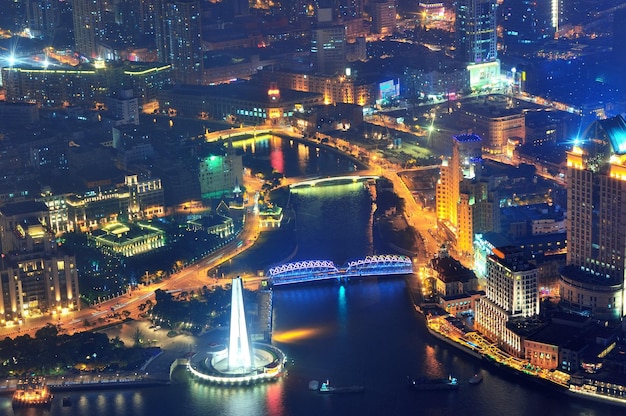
point(364, 332)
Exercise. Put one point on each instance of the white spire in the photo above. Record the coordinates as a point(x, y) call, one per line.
point(239, 352)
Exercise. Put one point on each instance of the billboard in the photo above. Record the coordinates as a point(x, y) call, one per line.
point(484, 75)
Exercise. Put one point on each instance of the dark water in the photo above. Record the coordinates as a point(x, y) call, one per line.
point(364, 332)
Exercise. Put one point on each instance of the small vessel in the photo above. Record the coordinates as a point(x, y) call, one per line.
point(476, 379)
point(326, 388)
point(32, 392)
point(425, 383)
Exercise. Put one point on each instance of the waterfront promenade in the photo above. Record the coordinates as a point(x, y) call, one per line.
point(473, 343)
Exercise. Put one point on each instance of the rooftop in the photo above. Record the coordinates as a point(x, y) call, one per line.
point(21, 208)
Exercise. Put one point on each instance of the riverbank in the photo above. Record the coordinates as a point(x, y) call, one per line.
point(473, 344)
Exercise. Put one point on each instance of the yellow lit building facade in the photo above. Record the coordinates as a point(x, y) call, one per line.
point(83, 85)
point(511, 294)
point(593, 281)
point(35, 277)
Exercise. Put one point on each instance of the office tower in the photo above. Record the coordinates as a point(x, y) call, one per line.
point(35, 278)
point(350, 9)
point(592, 282)
point(476, 31)
point(328, 43)
point(179, 40)
point(619, 34)
point(219, 174)
point(454, 208)
point(384, 17)
point(124, 108)
point(526, 22)
point(511, 294)
point(88, 17)
point(43, 17)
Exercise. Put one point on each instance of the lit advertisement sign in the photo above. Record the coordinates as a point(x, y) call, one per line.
point(485, 74)
point(389, 89)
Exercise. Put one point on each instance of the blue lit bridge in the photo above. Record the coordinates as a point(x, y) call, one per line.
point(319, 270)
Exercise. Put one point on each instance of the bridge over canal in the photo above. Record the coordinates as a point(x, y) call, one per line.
point(319, 270)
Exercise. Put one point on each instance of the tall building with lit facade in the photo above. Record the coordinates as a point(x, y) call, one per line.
point(328, 43)
point(383, 17)
point(179, 40)
point(335, 89)
point(84, 85)
point(526, 22)
point(134, 199)
point(593, 280)
point(88, 17)
point(511, 294)
point(454, 208)
point(220, 174)
point(476, 41)
point(43, 17)
point(476, 31)
point(35, 277)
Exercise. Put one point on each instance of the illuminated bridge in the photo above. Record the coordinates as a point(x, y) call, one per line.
point(338, 179)
point(318, 270)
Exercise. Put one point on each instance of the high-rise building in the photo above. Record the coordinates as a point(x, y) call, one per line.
point(124, 107)
point(619, 34)
point(220, 174)
point(476, 31)
point(43, 17)
point(526, 22)
point(383, 17)
point(88, 16)
point(179, 40)
point(328, 48)
point(511, 294)
point(455, 208)
point(593, 280)
point(35, 277)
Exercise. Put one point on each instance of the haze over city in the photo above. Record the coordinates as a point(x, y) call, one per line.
point(303, 207)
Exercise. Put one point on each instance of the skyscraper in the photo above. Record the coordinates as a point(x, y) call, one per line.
point(526, 21)
point(43, 16)
point(592, 282)
point(383, 17)
point(454, 208)
point(476, 31)
point(179, 40)
point(511, 294)
point(35, 278)
point(328, 43)
point(88, 17)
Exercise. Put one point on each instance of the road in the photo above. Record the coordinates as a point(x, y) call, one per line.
point(195, 276)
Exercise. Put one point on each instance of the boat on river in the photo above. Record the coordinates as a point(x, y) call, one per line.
point(326, 388)
point(426, 383)
point(32, 392)
point(476, 378)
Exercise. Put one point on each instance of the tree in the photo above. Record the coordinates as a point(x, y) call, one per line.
point(137, 337)
point(48, 331)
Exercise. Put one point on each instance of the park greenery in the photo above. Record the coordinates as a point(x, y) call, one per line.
point(195, 311)
point(103, 276)
point(53, 353)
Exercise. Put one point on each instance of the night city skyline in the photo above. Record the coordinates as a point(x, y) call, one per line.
point(470, 154)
